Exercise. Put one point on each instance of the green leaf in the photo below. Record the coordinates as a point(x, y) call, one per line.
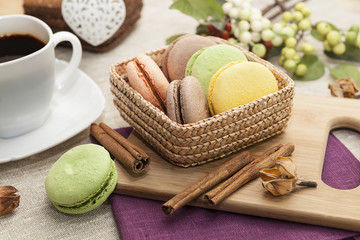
point(200, 9)
point(220, 2)
point(201, 29)
point(173, 38)
point(274, 51)
point(345, 70)
point(317, 35)
point(316, 68)
point(352, 53)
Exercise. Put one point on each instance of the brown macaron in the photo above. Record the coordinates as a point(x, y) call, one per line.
point(179, 52)
point(146, 77)
point(186, 101)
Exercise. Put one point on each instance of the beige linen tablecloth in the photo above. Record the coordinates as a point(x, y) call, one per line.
point(36, 218)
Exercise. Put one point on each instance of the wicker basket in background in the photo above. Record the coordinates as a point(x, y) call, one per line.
point(215, 137)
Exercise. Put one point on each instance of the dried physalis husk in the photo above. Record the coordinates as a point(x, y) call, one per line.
point(282, 179)
point(346, 88)
point(270, 174)
point(9, 200)
point(286, 167)
point(336, 91)
point(280, 186)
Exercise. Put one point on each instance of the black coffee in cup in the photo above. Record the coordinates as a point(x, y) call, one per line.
point(15, 46)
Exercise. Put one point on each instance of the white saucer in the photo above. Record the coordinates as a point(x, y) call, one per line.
point(72, 111)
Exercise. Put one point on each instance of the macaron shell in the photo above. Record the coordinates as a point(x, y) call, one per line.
point(166, 55)
point(138, 81)
point(210, 60)
point(82, 178)
point(94, 201)
point(194, 105)
point(239, 83)
point(173, 101)
point(191, 62)
point(154, 75)
point(181, 52)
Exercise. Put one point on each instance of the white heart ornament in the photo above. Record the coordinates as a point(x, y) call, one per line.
point(94, 21)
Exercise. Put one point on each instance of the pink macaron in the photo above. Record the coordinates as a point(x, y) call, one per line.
point(146, 77)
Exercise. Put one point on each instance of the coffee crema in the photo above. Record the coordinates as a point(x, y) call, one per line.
point(13, 46)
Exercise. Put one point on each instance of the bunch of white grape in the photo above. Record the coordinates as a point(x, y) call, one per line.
point(352, 36)
point(292, 24)
point(286, 32)
point(334, 41)
point(249, 28)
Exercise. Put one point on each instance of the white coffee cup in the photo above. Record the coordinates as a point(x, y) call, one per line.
point(27, 84)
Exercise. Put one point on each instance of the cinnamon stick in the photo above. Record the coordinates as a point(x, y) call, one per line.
point(134, 150)
point(249, 172)
point(132, 164)
point(204, 184)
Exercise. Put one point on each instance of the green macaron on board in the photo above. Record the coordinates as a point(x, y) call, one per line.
point(207, 61)
point(81, 179)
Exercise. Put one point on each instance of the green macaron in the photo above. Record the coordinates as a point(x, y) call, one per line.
point(81, 179)
point(207, 61)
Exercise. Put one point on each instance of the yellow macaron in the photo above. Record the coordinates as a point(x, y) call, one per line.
point(238, 83)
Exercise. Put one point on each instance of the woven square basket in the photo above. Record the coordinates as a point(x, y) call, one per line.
point(209, 139)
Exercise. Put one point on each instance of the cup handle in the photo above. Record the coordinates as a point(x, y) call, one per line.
point(64, 76)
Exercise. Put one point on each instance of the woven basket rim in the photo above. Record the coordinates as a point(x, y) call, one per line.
point(182, 138)
point(210, 141)
point(177, 159)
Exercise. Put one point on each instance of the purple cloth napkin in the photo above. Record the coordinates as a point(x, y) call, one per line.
point(143, 219)
point(341, 169)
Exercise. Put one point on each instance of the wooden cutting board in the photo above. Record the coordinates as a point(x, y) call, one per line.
point(312, 119)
